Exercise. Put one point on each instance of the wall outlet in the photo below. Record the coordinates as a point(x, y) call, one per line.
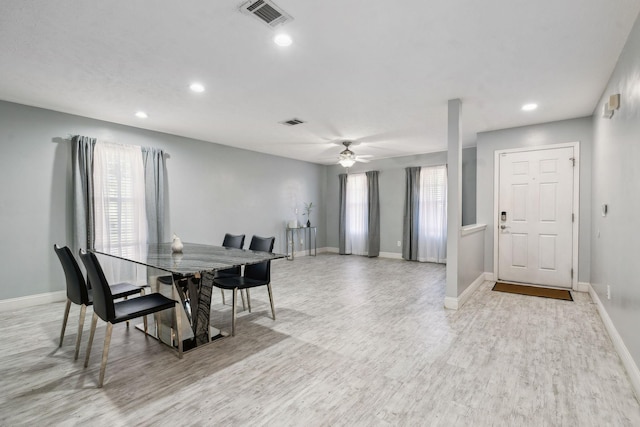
point(608, 292)
point(399, 243)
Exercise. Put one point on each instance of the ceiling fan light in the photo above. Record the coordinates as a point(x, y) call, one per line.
point(347, 162)
point(347, 157)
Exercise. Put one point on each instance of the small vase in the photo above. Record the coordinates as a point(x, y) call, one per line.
point(176, 245)
point(308, 223)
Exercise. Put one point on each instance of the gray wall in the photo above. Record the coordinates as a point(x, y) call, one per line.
point(392, 188)
point(615, 243)
point(471, 260)
point(469, 166)
point(212, 189)
point(530, 136)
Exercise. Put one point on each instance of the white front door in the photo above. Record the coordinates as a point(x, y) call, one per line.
point(535, 224)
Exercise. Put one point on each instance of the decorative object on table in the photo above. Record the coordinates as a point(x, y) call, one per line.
point(293, 223)
point(307, 211)
point(176, 245)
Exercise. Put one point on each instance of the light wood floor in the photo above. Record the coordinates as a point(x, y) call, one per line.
point(357, 341)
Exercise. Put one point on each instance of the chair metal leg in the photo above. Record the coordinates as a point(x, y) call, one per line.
point(64, 320)
point(144, 318)
point(248, 299)
point(126, 298)
point(178, 329)
point(233, 312)
point(273, 310)
point(94, 322)
point(244, 307)
point(83, 310)
point(223, 301)
point(105, 353)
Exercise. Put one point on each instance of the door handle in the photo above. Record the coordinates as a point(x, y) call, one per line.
point(503, 227)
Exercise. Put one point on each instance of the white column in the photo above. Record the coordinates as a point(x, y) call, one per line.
point(454, 195)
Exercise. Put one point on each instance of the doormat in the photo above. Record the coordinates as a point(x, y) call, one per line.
point(533, 291)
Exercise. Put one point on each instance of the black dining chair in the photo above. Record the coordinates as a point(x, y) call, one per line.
point(254, 275)
point(112, 312)
point(79, 291)
point(235, 241)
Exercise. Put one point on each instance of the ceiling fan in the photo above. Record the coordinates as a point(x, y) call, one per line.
point(348, 158)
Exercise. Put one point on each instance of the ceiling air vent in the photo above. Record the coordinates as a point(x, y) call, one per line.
point(267, 12)
point(292, 122)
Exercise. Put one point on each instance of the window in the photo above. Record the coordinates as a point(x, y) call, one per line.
point(357, 215)
point(432, 214)
point(119, 199)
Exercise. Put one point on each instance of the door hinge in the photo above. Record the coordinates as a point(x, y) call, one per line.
point(573, 161)
point(572, 273)
point(573, 217)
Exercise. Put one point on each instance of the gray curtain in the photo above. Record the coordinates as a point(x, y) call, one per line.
point(155, 178)
point(82, 172)
point(374, 214)
point(410, 220)
point(342, 221)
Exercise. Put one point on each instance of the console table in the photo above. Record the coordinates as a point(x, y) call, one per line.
point(292, 236)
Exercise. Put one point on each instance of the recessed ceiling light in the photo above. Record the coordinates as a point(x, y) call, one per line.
point(141, 115)
point(196, 87)
point(529, 107)
point(282, 40)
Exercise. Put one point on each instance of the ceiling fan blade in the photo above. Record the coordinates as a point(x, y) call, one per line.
point(361, 160)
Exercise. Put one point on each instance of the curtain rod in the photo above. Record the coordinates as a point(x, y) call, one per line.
point(70, 138)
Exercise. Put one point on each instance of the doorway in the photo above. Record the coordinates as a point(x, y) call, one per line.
point(536, 215)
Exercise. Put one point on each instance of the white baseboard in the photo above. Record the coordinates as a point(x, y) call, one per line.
point(582, 287)
point(12, 304)
point(391, 255)
point(629, 364)
point(306, 252)
point(453, 303)
point(489, 276)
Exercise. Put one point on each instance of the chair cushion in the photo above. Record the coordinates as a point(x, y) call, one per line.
point(121, 290)
point(141, 306)
point(238, 282)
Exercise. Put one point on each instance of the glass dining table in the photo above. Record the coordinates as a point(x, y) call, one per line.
point(189, 275)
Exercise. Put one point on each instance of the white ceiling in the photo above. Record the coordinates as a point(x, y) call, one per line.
point(374, 71)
